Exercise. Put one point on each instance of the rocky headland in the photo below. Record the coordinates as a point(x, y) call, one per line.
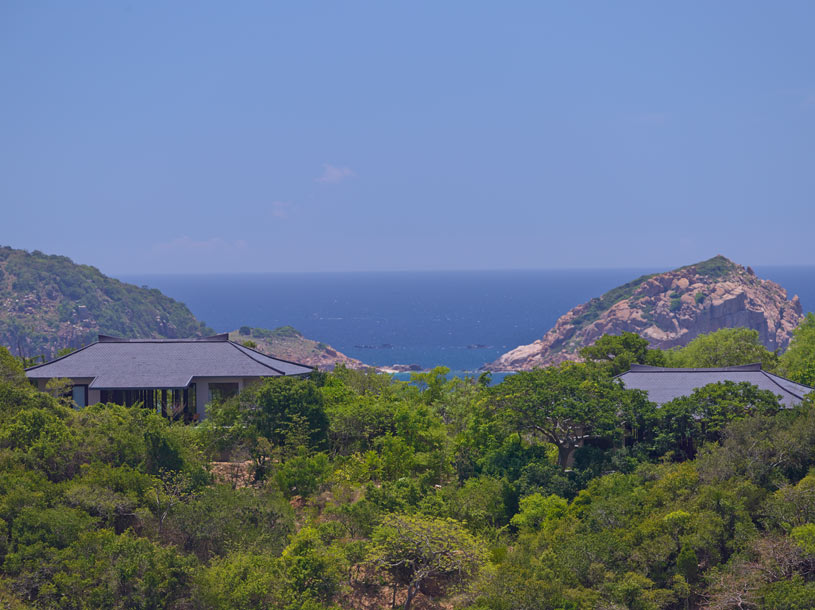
point(668, 309)
point(289, 344)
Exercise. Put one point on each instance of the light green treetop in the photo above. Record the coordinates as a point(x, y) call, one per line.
point(798, 362)
point(413, 550)
point(724, 347)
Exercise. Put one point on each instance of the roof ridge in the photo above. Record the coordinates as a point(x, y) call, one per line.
point(242, 347)
point(772, 377)
point(783, 389)
point(646, 368)
point(237, 347)
point(219, 338)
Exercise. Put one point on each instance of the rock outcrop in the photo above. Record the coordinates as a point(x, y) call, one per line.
point(669, 309)
point(289, 344)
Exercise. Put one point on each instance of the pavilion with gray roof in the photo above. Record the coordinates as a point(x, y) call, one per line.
point(665, 384)
point(176, 377)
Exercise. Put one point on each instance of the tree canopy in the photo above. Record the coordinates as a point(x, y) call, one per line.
point(798, 362)
point(724, 347)
point(619, 352)
point(554, 489)
point(414, 550)
point(563, 405)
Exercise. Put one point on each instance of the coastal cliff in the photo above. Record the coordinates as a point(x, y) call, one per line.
point(668, 309)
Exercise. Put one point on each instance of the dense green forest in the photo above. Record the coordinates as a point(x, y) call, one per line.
point(555, 489)
point(49, 302)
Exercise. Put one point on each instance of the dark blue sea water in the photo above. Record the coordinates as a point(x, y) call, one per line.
point(459, 319)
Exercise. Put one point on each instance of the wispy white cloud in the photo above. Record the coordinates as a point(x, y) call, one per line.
point(185, 244)
point(333, 174)
point(280, 209)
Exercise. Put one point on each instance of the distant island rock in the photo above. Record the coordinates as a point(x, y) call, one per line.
point(288, 343)
point(401, 368)
point(668, 309)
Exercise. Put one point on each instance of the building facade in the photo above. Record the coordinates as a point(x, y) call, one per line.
point(175, 377)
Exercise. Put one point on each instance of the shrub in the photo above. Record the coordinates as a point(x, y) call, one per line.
point(302, 475)
point(676, 304)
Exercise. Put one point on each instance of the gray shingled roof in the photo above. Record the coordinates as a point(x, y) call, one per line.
point(664, 384)
point(163, 363)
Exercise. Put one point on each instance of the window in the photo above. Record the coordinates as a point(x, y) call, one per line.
point(79, 394)
point(222, 391)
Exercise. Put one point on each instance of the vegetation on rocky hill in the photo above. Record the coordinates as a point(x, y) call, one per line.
point(49, 302)
point(288, 343)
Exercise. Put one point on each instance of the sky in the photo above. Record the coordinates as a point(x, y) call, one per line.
point(198, 137)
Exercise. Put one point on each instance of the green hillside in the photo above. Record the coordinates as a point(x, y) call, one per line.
point(49, 302)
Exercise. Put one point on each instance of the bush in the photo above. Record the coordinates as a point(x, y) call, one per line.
point(239, 580)
point(103, 570)
point(249, 519)
point(302, 475)
point(676, 304)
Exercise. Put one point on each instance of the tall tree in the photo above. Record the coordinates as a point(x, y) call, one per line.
point(564, 404)
point(282, 408)
point(688, 421)
point(414, 550)
point(618, 352)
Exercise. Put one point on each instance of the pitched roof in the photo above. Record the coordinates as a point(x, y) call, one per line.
point(665, 384)
point(163, 363)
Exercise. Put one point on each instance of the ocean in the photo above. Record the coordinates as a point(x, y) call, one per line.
point(458, 319)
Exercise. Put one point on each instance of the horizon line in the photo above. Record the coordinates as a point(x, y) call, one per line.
point(450, 270)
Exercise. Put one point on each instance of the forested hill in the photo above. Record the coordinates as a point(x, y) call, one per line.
point(49, 302)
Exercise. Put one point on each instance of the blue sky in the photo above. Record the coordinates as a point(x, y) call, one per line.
point(319, 136)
